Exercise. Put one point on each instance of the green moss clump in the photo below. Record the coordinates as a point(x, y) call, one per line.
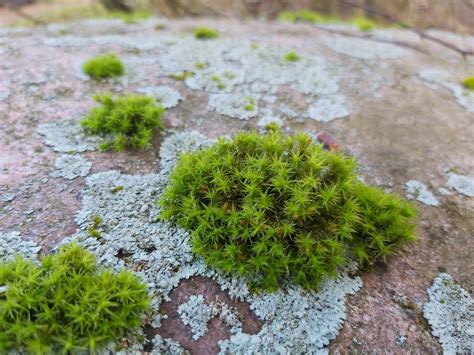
point(291, 56)
point(104, 66)
point(274, 208)
point(469, 83)
point(364, 24)
point(67, 304)
point(205, 33)
point(306, 16)
point(125, 122)
point(385, 222)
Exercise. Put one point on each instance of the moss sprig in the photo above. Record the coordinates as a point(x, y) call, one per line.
point(125, 122)
point(276, 207)
point(205, 33)
point(468, 83)
point(67, 304)
point(104, 66)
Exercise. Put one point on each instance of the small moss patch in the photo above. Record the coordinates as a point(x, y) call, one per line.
point(104, 66)
point(274, 207)
point(66, 304)
point(181, 76)
point(125, 122)
point(362, 23)
point(291, 57)
point(205, 33)
point(469, 83)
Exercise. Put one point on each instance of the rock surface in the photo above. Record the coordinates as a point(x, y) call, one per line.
point(398, 109)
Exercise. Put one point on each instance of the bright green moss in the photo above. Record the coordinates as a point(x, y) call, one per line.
point(125, 122)
point(385, 222)
point(274, 208)
point(104, 66)
point(67, 304)
point(221, 86)
point(181, 76)
point(116, 189)
point(131, 17)
point(250, 104)
point(93, 229)
point(205, 33)
point(306, 16)
point(291, 57)
point(362, 23)
point(200, 65)
point(469, 83)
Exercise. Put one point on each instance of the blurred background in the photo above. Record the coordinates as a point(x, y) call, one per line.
point(452, 15)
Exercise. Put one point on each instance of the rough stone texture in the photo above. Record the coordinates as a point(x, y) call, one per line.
point(419, 191)
point(461, 184)
point(71, 166)
point(450, 312)
point(401, 125)
point(130, 237)
point(12, 245)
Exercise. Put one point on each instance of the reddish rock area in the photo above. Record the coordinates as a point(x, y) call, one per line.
point(403, 130)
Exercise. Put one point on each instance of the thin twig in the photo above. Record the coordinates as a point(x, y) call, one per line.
point(371, 38)
point(422, 34)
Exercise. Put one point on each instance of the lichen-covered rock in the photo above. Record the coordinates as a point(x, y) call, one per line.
point(435, 78)
point(165, 95)
point(161, 254)
point(196, 314)
point(71, 166)
point(419, 191)
point(365, 49)
point(462, 184)
point(67, 136)
point(12, 244)
point(450, 313)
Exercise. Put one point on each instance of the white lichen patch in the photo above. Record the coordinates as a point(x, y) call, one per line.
point(365, 49)
point(12, 244)
point(450, 313)
point(195, 313)
point(328, 108)
point(230, 71)
point(462, 184)
point(168, 346)
point(67, 136)
point(71, 166)
point(436, 78)
point(237, 105)
point(295, 320)
point(417, 190)
point(165, 95)
point(265, 120)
